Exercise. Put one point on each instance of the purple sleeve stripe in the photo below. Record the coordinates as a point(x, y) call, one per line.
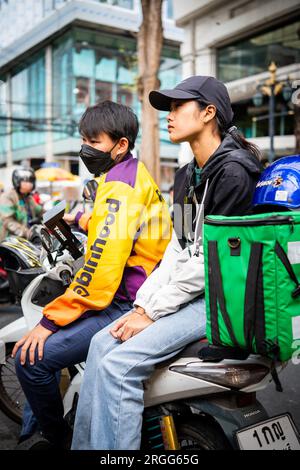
point(49, 324)
point(78, 216)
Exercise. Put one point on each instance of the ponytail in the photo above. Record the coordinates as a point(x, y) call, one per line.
point(235, 134)
point(240, 139)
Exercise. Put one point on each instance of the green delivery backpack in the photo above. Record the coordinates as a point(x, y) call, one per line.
point(252, 290)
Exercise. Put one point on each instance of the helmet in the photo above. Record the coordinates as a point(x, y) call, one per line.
point(23, 174)
point(279, 186)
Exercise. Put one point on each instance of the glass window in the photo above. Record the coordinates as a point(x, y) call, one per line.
point(254, 121)
point(125, 96)
point(126, 74)
point(106, 68)
point(28, 104)
point(169, 76)
point(3, 98)
point(82, 91)
point(252, 56)
point(64, 88)
point(84, 62)
point(3, 121)
point(170, 9)
point(128, 4)
point(87, 67)
point(104, 91)
point(169, 73)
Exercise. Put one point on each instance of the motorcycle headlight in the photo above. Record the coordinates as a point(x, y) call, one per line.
point(228, 375)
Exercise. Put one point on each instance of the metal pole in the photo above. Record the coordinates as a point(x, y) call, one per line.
point(271, 124)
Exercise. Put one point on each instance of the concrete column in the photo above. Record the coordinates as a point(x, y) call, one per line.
point(9, 156)
point(49, 133)
point(188, 67)
point(206, 62)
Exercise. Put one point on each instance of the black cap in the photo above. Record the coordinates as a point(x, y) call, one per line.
point(201, 88)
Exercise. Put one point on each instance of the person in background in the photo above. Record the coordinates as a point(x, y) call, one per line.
point(18, 209)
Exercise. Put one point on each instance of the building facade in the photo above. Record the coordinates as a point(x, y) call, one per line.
point(236, 41)
point(59, 56)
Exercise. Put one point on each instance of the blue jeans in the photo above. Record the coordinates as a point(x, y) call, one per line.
point(66, 347)
point(110, 407)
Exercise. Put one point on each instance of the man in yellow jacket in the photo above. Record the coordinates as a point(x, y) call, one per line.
point(128, 232)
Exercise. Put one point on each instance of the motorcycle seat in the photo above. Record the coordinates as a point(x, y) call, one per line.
point(191, 350)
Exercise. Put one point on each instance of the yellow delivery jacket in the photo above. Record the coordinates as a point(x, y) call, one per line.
point(128, 232)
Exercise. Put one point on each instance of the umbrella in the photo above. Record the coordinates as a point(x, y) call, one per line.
point(54, 174)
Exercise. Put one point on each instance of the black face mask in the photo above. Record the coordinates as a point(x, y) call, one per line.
point(95, 160)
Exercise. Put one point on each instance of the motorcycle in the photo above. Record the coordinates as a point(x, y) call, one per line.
point(19, 264)
point(4, 286)
point(189, 404)
point(18, 252)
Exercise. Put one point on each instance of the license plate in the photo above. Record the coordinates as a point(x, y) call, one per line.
point(278, 433)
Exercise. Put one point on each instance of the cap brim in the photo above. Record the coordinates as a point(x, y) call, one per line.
point(161, 100)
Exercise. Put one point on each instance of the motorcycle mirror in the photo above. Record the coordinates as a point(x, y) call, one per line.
point(90, 190)
point(46, 240)
point(53, 220)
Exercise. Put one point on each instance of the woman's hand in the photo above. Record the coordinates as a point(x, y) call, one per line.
point(35, 338)
point(131, 324)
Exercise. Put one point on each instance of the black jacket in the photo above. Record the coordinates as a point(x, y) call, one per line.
point(232, 173)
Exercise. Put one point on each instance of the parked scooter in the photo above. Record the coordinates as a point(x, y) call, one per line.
point(41, 262)
point(19, 264)
point(5, 295)
point(189, 404)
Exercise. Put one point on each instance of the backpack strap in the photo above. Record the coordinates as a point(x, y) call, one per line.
point(286, 263)
point(217, 296)
point(213, 299)
point(212, 353)
point(254, 311)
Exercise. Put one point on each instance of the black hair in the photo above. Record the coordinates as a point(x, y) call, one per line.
point(116, 120)
point(234, 132)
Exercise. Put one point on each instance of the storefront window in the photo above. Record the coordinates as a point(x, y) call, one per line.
point(64, 91)
point(254, 121)
point(87, 67)
point(82, 92)
point(3, 120)
point(169, 76)
point(28, 104)
point(253, 56)
point(105, 68)
point(104, 91)
point(125, 96)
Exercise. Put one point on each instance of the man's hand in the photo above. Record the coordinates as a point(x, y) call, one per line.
point(69, 218)
point(35, 338)
point(131, 325)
